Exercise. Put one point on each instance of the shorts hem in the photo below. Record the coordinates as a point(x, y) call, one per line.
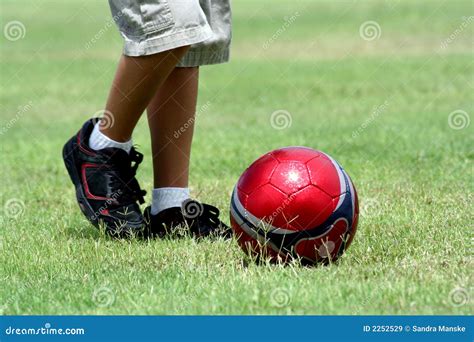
point(154, 45)
point(199, 58)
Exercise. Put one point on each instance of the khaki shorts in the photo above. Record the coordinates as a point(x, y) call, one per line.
point(153, 26)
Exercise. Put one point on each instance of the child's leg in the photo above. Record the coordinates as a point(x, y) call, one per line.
point(157, 35)
point(171, 111)
point(171, 118)
point(106, 188)
point(136, 82)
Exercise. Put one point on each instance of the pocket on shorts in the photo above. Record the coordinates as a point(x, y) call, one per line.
point(136, 18)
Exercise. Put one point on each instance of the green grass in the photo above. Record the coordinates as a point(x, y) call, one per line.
point(414, 173)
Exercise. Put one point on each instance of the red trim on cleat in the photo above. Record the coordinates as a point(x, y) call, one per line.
point(82, 148)
point(89, 195)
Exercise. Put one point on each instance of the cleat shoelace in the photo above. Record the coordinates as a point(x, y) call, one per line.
point(206, 222)
point(123, 181)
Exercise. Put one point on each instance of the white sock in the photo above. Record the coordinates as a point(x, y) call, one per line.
point(99, 140)
point(164, 198)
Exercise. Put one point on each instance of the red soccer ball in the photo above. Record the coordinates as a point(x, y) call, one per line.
point(295, 202)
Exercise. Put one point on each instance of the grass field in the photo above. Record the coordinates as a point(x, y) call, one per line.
point(392, 105)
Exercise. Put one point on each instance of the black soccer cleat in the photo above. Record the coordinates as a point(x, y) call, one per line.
point(106, 188)
point(199, 219)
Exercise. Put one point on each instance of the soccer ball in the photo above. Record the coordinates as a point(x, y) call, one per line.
point(295, 203)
